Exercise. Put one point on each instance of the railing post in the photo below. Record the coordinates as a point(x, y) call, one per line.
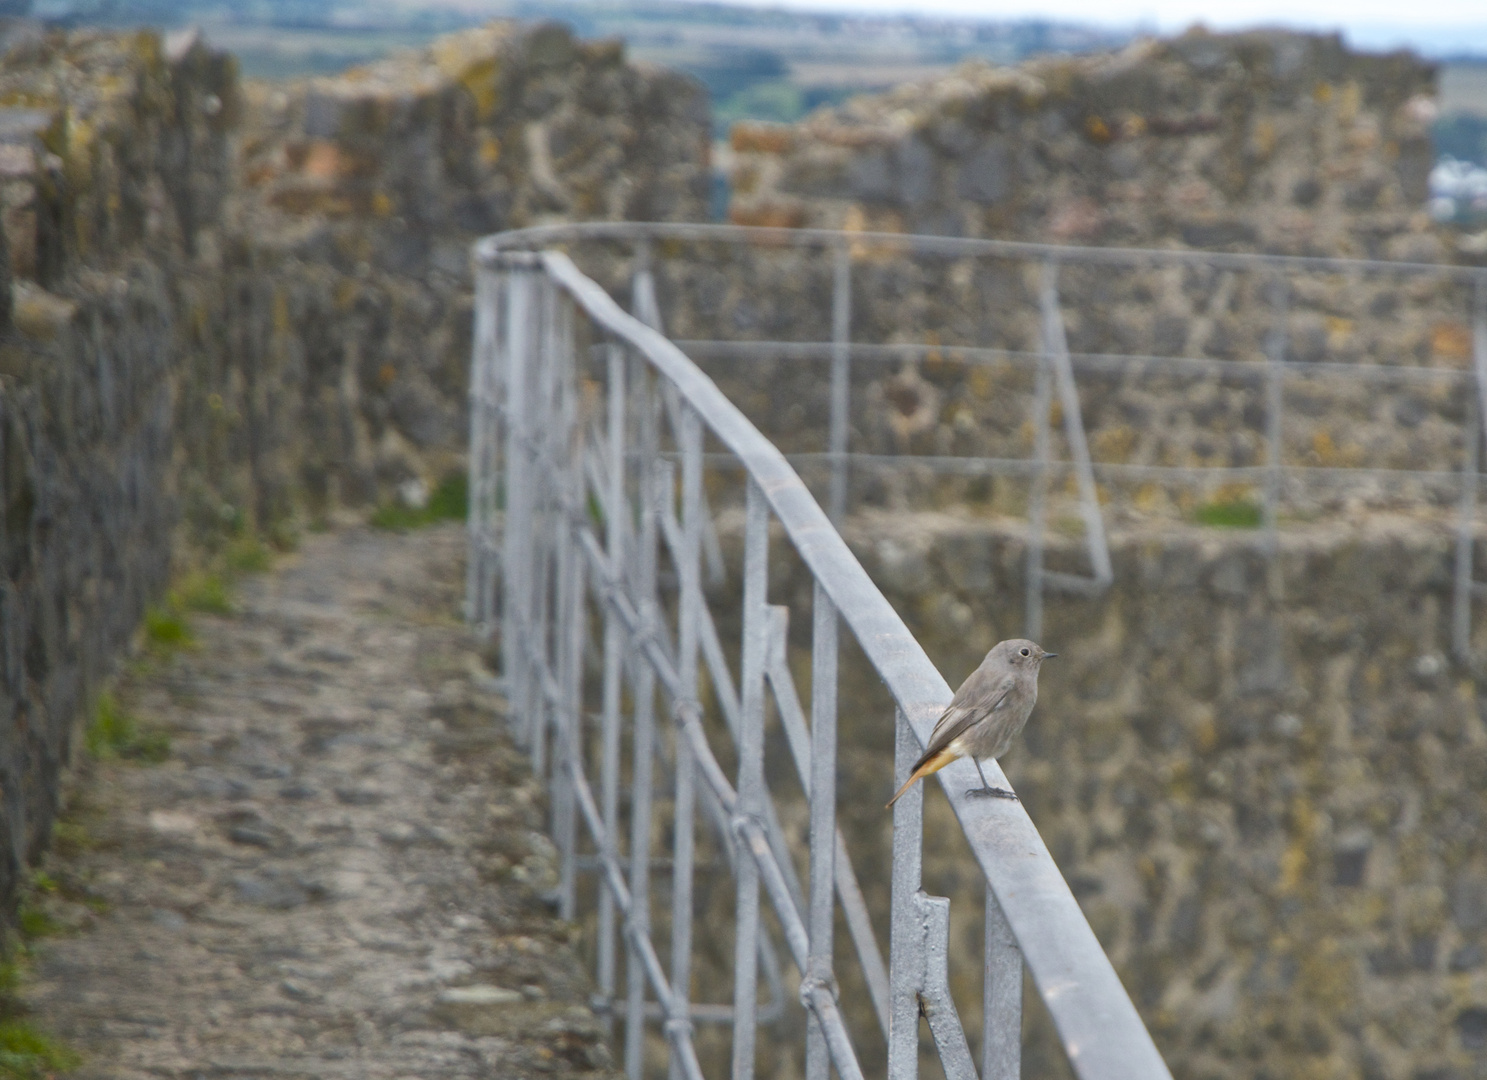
point(643, 300)
point(689, 563)
point(614, 649)
point(1275, 358)
point(643, 767)
point(1001, 988)
point(1476, 430)
point(1056, 349)
point(823, 821)
point(572, 624)
point(521, 287)
point(485, 434)
point(1038, 489)
point(905, 958)
point(841, 378)
point(750, 778)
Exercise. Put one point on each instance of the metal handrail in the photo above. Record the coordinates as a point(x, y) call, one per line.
point(542, 236)
point(1056, 363)
point(551, 558)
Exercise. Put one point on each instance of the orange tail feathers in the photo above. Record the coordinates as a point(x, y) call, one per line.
point(931, 765)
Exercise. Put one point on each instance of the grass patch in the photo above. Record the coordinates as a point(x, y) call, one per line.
point(1230, 514)
point(166, 629)
point(204, 592)
point(29, 1054)
point(248, 555)
point(114, 733)
point(450, 501)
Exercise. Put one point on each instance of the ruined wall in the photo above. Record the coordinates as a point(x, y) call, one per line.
point(1258, 141)
point(211, 324)
point(1254, 142)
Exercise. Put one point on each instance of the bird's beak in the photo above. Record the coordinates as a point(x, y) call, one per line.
point(1049, 655)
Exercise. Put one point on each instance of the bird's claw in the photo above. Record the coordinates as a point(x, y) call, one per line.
point(991, 793)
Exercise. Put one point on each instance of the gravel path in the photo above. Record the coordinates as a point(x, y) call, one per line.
point(338, 872)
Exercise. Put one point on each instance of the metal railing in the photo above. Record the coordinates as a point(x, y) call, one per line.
point(588, 431)
point(1055, 370)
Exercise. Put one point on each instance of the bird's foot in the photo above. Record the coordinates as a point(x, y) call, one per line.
point(991, 793)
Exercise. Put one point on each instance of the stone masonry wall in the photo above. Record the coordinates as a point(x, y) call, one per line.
point(211, 324)
point(1252, 142)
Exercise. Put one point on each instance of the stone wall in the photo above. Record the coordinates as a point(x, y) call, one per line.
point(1255, 142)
point(224, 310)
point(1258, 141)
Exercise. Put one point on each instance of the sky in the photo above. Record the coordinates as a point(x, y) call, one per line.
point(1435, 27)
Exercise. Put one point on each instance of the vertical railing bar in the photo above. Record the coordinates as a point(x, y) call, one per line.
point(1057, 347)
point(484, 431)
point(1476, 430)
point(935, 1001)
point(854, 907)
point(1001, 996)
point(519, 290)
point(841, 373)
point(576, 626)
point(823, 835)
point(750, 777)
point(539, 444)
point(1038, 493)
point(689, 440)
point(643, 769)
point(1275, 357)
point(906, 937)
point(614, 646)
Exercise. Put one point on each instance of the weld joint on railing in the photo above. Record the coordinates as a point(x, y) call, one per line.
point(678, 1028)
point(811, 986)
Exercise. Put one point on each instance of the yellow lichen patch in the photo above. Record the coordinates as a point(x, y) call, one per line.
point(1262, 139)
point(979, 381)
point(382, 204)
point(480, 80)
point(1322, 93)
point(1338, 331)
point(1293, 863)
point(1115, 444)
point(40, 314)
point(490, 149)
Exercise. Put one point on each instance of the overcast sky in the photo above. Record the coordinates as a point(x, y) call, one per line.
point(1434, 26)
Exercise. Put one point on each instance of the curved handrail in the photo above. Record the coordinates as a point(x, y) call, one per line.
point(1101, 1031)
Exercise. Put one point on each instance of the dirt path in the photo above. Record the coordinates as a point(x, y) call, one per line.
point(338, 872)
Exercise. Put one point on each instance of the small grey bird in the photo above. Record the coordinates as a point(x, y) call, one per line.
point(988, 711)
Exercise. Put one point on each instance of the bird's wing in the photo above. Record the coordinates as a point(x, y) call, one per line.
point(965, 711)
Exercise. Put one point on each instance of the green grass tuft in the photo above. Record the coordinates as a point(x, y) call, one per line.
point(450, 501)
point(204, 592)
point(114, 733)
point(1230, 514)
point(167, 630)
point(27, 1054)
point(248, 555)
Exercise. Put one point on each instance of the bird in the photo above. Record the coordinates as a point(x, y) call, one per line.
point(988, 711)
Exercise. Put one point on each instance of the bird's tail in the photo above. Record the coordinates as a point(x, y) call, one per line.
point(931, 763)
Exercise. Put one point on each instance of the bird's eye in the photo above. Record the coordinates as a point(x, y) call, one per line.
point(1025, 652)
